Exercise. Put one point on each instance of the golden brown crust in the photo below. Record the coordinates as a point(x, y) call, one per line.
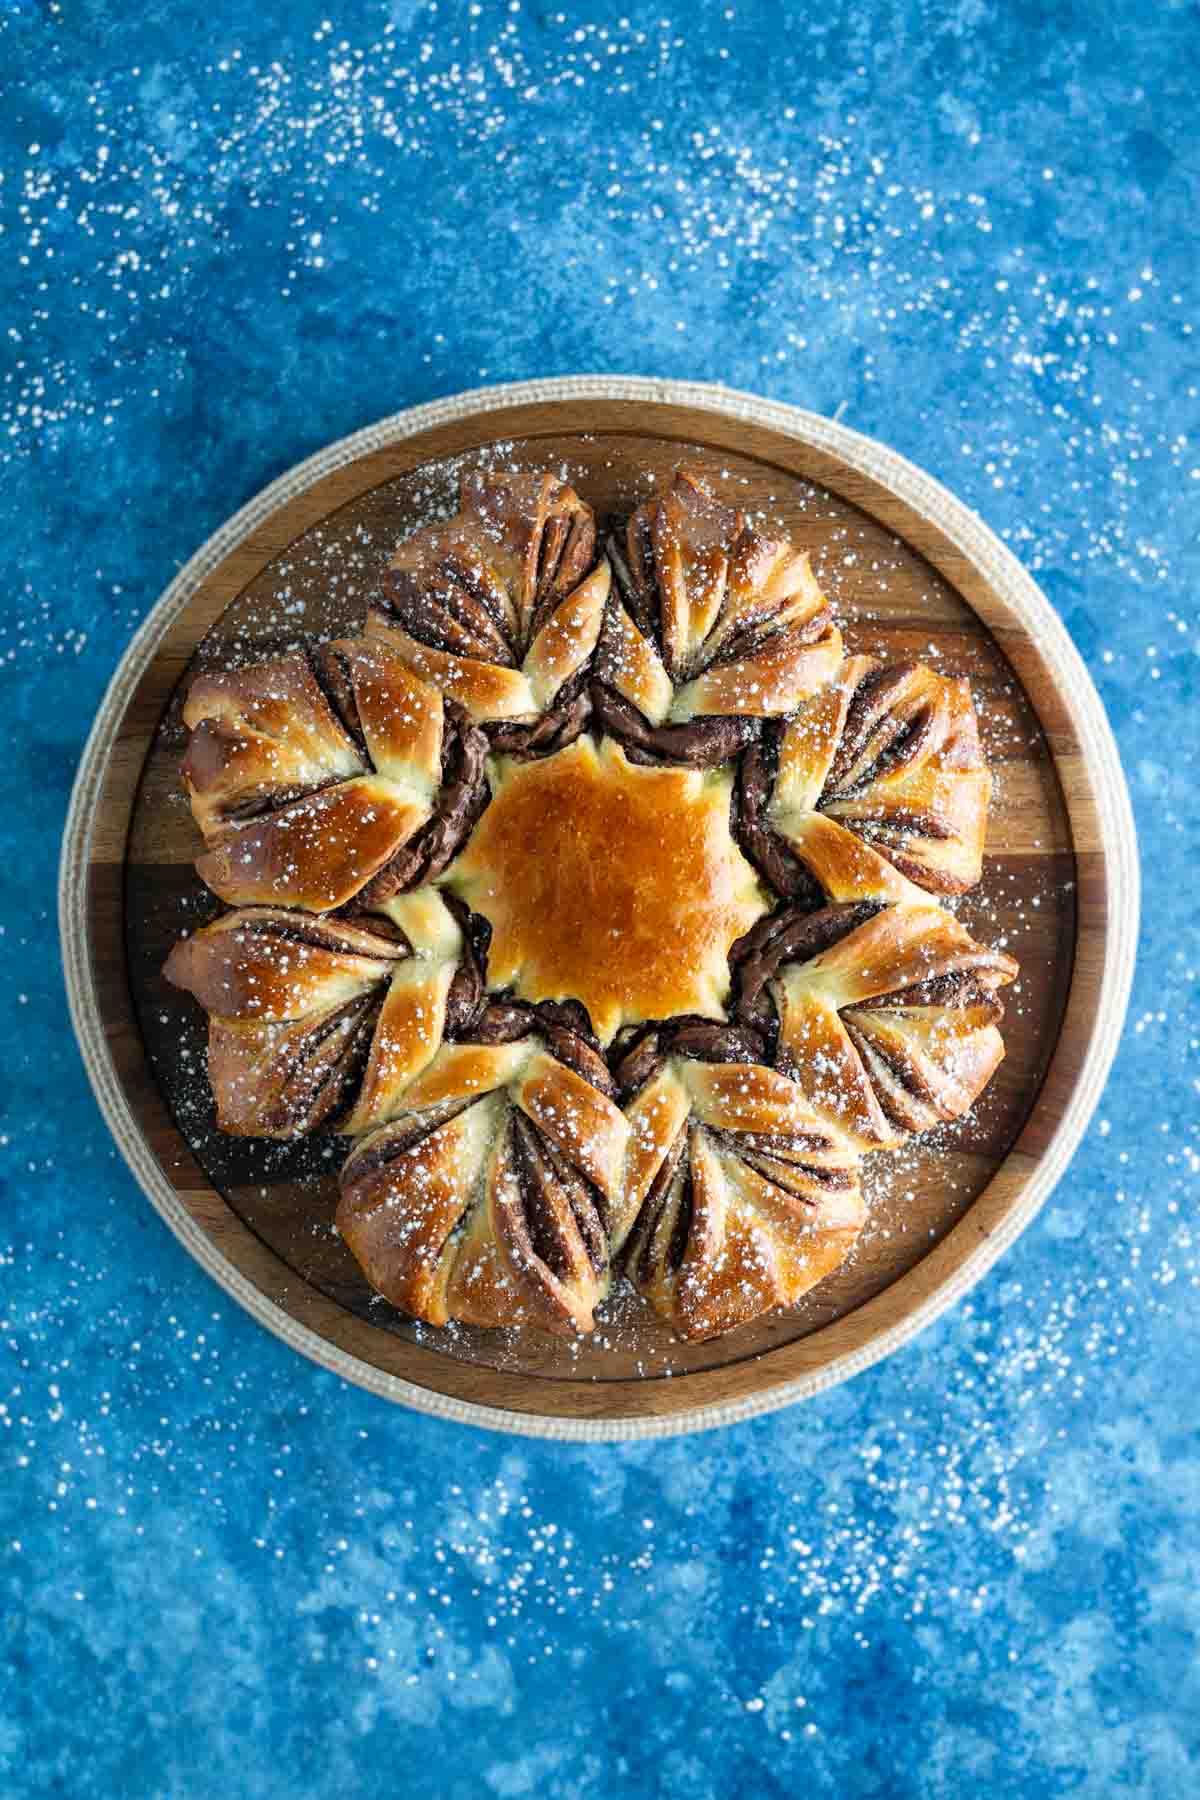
point(709, 621)
point(315, 1021)
point(500, 605)
point(615, 885)
point(313, 777)
point(399, 1216)
point(318, 852)
point(886, 1017)
point(742, 1197)
point(400, 717)
point(875, 789)
point(490, 1203)
point(274, 964)
point(260, 736)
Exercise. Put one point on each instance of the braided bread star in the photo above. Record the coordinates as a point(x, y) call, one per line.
point(490, 1198)
point(738, 1196)
point(501, 607)
point(324, 778)
point(433, 948)
point(885, 1017)
point(712, 627)
point(876, 788)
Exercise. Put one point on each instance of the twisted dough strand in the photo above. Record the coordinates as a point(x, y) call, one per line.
point(711, 628)
point(738, 1197)
point(875, 789)
point(490, 1198)
point(501, 607)
point(317, 780)
point(885, 1017)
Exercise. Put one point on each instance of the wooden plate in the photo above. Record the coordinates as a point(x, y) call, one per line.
point(911, 573)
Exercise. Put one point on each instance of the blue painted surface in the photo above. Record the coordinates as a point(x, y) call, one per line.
point(234, 233)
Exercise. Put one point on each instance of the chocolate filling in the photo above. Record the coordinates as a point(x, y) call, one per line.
point(298, 930)
point(641, 1058)
point(538, 1181)
point(460, 803)
point(899, 825)
point(565, 555)
point(474, 605)
point(785, 1145)
point(682, 1228)
point(635, 577)
point(500, 1022)
point(755, 634)
point(544, 1175)
point(326, 1066)
point(588, 1207)
point(563, 1025)
point(774, 859)
point(698, 744)
point(705, 1040)
point(436, 610)
point(787, 936)
point(905, 1077)
point(871, 728)
point(468, 992)
point(957, 988)
point(267, 800)
point(772, 1167)
point(557, 728)
point(376, 924)
point(571, 1048)
point(653, 1206)
point(330, 669)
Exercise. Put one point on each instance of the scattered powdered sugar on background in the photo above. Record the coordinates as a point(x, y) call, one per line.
point(969, 231)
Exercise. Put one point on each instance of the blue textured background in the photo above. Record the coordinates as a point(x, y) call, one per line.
point(235, 232)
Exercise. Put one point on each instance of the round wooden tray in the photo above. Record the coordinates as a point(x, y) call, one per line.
point(911, 572)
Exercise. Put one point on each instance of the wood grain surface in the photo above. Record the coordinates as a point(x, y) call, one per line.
point(900, 588)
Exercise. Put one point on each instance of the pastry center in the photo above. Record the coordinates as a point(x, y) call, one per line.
point(609, 883)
